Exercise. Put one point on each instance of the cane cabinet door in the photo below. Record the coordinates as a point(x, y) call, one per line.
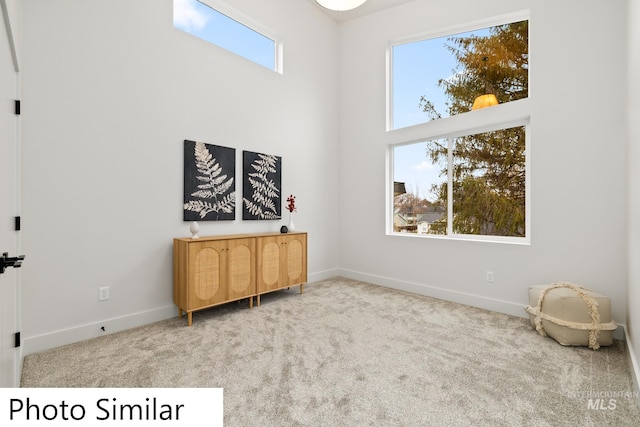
point(241, 268)
point(207, 264)
point(295, 254)
point(282, 261)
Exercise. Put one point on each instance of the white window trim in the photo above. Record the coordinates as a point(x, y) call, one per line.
point(501, 116)
point(251, 23)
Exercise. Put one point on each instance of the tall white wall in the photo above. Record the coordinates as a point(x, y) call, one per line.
point(577, 158)
point(633, 219)
point(110, 91)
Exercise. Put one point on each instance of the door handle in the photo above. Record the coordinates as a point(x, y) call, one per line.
point(7, 261)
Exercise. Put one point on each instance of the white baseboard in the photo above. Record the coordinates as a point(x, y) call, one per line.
point(493, 304)
point(79, 333)
point(635, 368)
point(486, 303)
point(323, 275)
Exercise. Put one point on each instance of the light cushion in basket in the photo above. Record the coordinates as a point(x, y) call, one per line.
point(571, 314)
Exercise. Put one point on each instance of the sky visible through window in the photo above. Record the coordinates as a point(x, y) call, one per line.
point(417, 67)
point(202, 21)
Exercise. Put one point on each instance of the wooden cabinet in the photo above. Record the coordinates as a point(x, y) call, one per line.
point(214, 270)
point(282, 262)
point(211, 271)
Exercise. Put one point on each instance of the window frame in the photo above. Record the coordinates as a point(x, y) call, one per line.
point(503, 116)
point(250, 23)
point(524, 15)
point(525, 122)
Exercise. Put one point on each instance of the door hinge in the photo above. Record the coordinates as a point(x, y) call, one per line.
point(17, 223)
point(17, 340)
point(17, 107)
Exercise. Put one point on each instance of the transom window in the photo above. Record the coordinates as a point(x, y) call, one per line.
point(217, 23)
point(445, 76)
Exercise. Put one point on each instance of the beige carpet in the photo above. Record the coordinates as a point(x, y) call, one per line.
point(347, 353)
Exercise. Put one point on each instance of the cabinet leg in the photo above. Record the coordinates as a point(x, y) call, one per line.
point(250, 302)
point(301, 287)
point(189, 318)
point(258, 300)
point(179, 312)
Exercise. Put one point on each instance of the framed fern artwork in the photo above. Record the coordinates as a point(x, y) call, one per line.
point(261, 186)
point(209, 182)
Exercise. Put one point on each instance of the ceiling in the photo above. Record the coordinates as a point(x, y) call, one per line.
point(370, 6)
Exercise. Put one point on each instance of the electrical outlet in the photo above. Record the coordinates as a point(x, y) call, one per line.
point(489, 276)
point(103, 293)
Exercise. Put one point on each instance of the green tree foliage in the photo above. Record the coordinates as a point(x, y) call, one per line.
point(488, 168)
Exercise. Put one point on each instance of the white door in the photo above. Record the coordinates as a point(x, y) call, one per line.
point(9, 240)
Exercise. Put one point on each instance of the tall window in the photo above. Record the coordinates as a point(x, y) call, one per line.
point(221, 26)
point(468, 176)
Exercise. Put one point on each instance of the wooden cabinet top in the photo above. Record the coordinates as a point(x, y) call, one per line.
point(237, 236)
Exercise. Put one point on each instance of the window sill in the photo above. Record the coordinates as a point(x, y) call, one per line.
point(521, 241)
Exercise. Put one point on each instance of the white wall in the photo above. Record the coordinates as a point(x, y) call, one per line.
point(110, 91)
point(633, 219)
point(578, 173)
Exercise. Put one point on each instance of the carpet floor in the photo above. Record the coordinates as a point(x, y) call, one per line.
point(348, 353)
